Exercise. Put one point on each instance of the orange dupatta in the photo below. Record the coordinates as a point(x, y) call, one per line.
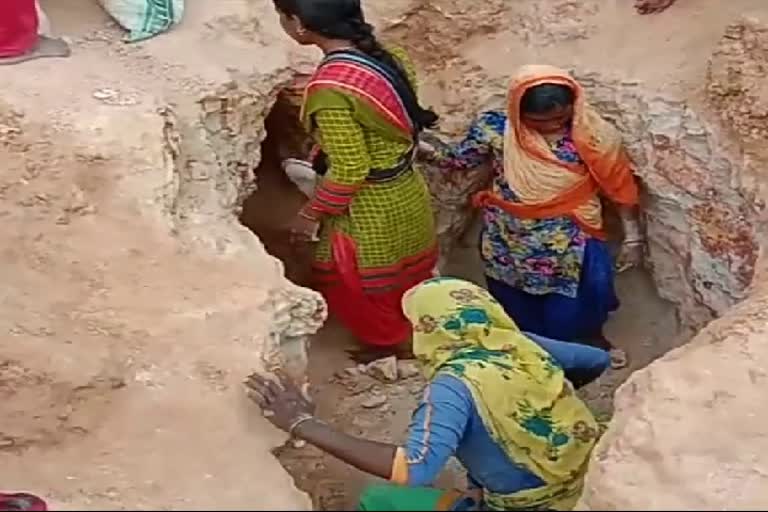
point(547, 187)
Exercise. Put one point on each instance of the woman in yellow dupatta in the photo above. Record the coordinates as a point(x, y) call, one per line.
point(496, 400)
point(543, 243)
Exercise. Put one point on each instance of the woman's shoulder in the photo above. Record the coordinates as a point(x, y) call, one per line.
point(404, 59)
point(445, 385)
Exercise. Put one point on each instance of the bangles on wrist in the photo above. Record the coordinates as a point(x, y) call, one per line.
point(304, 215)
point(298, 422)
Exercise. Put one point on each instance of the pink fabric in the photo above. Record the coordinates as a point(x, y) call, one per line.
point(18, 27)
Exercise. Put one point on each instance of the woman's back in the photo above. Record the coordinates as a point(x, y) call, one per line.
point(448, 423)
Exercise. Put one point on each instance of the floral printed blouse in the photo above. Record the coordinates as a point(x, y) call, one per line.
point(538, 256)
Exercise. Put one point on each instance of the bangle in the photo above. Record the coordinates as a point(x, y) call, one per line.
point(307, 216)
point(298, 422)
point(633, 241)
point(632, 229)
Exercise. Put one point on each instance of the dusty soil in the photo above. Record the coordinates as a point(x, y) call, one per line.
point(645, 326)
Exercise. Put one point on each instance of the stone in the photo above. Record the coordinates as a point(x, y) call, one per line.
point(384, 369)
point(373, 401)
point(407, 369)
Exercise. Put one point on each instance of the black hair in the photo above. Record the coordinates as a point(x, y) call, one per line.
point(343, 19)
point(544, 98)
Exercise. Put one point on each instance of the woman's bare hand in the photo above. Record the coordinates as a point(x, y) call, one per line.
point(283, 403)
point(631, 255)
point(303, 229)
point(652, 6)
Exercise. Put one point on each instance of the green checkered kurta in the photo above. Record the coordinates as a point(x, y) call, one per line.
point(389, 222)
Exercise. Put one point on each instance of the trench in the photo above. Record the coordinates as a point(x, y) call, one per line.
point(645, 326)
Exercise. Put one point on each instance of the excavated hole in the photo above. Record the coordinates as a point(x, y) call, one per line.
point(276, 199)
point(645, 326)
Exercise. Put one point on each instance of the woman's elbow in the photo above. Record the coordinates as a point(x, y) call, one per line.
point(590, 369)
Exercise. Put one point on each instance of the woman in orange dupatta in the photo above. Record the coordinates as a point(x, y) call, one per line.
point(543, 243)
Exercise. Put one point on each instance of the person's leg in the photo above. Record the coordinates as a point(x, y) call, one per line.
point(19, 39)
point(396, 497)
point(597, 298)
point(525, 309)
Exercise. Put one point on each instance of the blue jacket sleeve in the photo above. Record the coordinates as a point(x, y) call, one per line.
point(437, 427)
point(581, 363)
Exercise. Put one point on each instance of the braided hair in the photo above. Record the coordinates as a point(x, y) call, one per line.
point(344, 20)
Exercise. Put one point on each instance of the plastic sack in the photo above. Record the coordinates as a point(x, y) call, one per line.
point(144, 18)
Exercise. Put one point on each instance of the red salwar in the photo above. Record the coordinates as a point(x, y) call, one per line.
point(374, 317)
point(18, 27)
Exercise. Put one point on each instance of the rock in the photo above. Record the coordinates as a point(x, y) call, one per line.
point(712, 387)
point(361, 388)
point(373, 401)
point(384, 369)
point(407, 369)
point(352, 372)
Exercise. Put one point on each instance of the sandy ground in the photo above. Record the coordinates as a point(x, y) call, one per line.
point(645, 326)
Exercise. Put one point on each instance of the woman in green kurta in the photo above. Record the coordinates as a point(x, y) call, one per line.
point(377, 233)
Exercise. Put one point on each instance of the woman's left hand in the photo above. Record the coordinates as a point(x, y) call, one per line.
point(283, 404)
point(303, 229)
point(631, 255)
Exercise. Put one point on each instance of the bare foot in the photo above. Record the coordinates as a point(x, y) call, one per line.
point(652, 6)
point(619, 359)
point(47, 47)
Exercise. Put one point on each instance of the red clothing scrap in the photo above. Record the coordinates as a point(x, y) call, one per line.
point(18, 27)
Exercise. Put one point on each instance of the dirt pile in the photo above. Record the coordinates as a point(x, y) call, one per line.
point(133, 301)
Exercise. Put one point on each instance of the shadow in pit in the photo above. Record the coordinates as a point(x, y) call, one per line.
point(276, 199)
